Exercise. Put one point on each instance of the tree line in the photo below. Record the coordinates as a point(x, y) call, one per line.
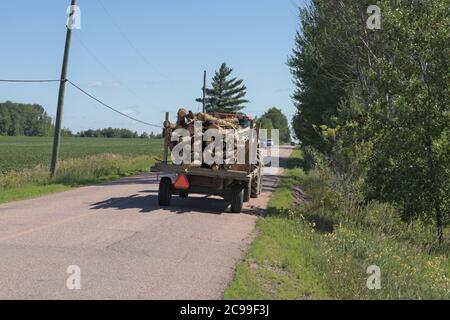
point(375, 102)
point(116, 133)
point(17, 119)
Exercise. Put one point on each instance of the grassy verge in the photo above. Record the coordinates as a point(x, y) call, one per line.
point(28, 183)
point(30, 191)
point(315, 250)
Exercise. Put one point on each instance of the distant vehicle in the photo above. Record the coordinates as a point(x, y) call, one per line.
point(262, 143)
point(266, 143)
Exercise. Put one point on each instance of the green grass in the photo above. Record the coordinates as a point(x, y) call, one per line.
point(29, 183)
point(24, 163)
point(274, 268)
point(314, 250)
point(30, 191)
point(17, 153)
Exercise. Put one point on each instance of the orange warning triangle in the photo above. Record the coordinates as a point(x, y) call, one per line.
point(182, 182)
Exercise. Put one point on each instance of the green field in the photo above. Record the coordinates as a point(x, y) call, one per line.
point(18, 153)
point(25, 162)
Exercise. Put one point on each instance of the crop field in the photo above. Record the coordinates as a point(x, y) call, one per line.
point(18, 153)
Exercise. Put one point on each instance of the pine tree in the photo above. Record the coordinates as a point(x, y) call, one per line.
point(226, 95)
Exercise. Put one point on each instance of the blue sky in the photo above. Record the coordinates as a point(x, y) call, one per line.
point(172, 42)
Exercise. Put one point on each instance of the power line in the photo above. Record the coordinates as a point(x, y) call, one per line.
point(111, 108)
point(107, 70)
point(127, 39)
point(27, 81)
point(84, 92)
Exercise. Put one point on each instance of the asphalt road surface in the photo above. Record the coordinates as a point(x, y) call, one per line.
point(124, 244)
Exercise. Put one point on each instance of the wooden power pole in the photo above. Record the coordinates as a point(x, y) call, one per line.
point(204, 90)
point(62, 89)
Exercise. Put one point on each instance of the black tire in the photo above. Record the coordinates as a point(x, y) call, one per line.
point(247, 193)
point(260, 183)
point(183, 194)
point(257, 180)
point(237, 202)
point(165, 192)
point(256, 186)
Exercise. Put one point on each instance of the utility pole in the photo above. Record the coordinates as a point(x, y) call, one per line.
point(62, 89)
point(204, 90)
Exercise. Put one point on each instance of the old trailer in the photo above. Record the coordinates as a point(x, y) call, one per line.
point(235, 186)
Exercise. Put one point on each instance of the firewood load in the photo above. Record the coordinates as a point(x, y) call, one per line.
point(186, 120)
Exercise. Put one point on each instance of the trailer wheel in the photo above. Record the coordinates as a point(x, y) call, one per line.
point(247, 192)
point(237, 202)
point(260, 184)
point(165, 192)
point(256, 186)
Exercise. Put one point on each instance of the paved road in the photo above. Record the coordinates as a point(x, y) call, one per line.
point(126, 246)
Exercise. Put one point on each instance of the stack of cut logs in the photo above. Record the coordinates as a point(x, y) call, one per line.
point(186, 120)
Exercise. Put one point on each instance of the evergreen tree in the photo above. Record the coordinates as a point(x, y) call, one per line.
point(226, 95)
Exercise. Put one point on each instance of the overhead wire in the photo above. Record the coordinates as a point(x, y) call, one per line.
point(85, 93)
point(127, 39)
point(28, 81)
point(107, 70)
point(110, 107)
point(100, 62)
